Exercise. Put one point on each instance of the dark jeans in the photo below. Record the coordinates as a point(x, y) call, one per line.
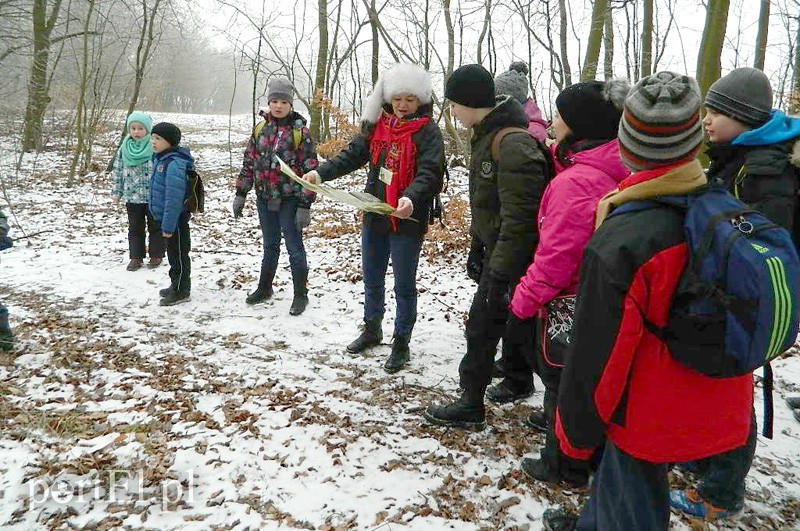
point(376, 248)
point(4, 326)
point(626, 494)
point(180, 266)
point(485, 327)
point(277, 222)
point(571, 469)
point(722, 477)
point(139, 218)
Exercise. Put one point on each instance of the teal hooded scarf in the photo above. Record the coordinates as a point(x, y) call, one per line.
point(137, 152)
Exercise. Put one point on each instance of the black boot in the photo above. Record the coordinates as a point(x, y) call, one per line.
point(558, 520)
point(467, 413)
point(400, 354)
point(542, 470)
point(264, 290)
point(166, 291)
point(371, 335)
point(300, 301)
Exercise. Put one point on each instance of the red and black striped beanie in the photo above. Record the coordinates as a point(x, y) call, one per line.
point(660, 123)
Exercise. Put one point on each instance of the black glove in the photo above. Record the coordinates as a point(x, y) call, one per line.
point(238, 206)
point(475, 260)
point(5, 243)
point(496, 293)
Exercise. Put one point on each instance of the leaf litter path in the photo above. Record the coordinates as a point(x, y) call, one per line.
point(117, 413)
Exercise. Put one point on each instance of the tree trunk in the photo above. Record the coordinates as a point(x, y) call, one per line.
point(595, 39)
point(373, 23)
point(709, 66)
point(80, 118)
point(562, 37)
point(647, 38)
point(486, 22)
point(38, 97)
point(794, 102)
point(608, 46)
point(315, 111)
point(761, 38)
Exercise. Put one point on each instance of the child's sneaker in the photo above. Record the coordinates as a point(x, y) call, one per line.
point(134, 264)
point(690, 502)
point(154, 262)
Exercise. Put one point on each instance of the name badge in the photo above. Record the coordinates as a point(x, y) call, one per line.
point(386, 176)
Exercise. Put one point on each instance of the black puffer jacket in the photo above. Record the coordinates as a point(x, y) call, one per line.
point(422, 190)
point(504, 196)
point(762, 177)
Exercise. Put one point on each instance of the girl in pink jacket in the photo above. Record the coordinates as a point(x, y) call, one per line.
point(587, 168)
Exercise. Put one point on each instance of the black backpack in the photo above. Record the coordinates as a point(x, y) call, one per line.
point(195, 192)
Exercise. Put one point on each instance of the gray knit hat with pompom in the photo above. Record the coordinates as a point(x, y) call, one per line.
point(513, 82)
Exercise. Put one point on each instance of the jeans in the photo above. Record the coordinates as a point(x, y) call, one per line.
point(139, 216)
point(627, 494)
point(180, 266)
point(722, 476)
point(376, 248)
point(277, 221)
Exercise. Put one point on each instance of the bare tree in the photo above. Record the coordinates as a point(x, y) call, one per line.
point(708, 59)
point(562, 37)
point(608, 45)
point(595, 38)
point(761, 38)
point(647, 38)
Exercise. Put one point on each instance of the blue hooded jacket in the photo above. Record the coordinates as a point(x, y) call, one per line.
point(780, 128)
point(168, 186)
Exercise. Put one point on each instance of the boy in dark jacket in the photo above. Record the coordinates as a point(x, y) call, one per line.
point(168, 187)
point(504, 199)
point(751, 148)
point(620, 381)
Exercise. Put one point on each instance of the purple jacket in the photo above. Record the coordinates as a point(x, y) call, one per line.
point(536, 124)
point(566, 223)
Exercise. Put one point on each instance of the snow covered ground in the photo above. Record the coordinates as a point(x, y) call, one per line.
point(116, 413)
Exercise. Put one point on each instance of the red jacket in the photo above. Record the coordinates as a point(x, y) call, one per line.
point(620, 381)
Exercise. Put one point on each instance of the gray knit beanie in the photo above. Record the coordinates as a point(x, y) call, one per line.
point(280, 88)
point(744, 94)
point(660, 124)
point(513, 82)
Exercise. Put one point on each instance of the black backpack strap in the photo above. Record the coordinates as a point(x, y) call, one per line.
point(766, 428)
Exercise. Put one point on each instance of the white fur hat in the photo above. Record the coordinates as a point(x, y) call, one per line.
point(402, 78)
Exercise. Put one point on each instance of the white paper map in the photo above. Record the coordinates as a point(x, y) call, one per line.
point(360, 200)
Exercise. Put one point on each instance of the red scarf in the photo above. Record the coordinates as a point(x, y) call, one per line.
point(393, 136)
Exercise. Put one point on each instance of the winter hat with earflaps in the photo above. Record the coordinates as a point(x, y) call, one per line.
point(402, 78)
point(513, 82)
point(137, 152)
point(592, 109)
point(745, 95)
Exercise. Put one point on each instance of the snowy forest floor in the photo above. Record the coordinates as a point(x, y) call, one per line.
point(116, 413)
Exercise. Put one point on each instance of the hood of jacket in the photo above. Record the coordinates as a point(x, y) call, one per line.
point(780, 128)
point(507, 112)
point(534, 113)
point(604, 158)
point(180, 152)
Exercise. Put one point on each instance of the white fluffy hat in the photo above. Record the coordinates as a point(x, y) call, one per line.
point(402, 78)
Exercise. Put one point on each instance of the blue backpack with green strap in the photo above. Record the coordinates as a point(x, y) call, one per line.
point(736, 305)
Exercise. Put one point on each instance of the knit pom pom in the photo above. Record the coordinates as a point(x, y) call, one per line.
point(616, 90)
point(519, 66)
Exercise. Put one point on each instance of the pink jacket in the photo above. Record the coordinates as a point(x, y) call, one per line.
point(566, 223)
point(536, 124)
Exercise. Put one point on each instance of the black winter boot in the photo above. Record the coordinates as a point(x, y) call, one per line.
point(558, 520)
point(300, 301)
point(264, 290)
point(400, 354)
point(467, 413)
point(166, 291)
point(371, 335)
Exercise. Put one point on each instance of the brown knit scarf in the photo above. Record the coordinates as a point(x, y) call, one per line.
point(670, 180)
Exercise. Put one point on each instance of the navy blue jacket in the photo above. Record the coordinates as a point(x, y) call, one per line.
point(168, 186)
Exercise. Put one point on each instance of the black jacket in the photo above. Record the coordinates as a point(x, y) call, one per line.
point(426, 184)
point(762, 177)
point(504, 195)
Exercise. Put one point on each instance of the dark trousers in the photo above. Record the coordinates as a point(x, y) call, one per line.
point(180, 266)
point(141, 221)
point(485, 326)
point(722, 477)
point(376, 248)
point(278, 218)
point(4, 326)
point(570, 469)
point(518, 354)
point(627, 494)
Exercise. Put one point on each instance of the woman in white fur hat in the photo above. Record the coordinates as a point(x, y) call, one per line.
point(405, 152)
